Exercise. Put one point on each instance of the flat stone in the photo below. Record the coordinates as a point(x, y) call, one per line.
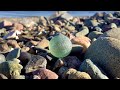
point(2, 58)
point(92, 69)
point(67, 16)
point(43, 44)
point(36, 62)
point(13, 54)
point(43, 73)
point(24, 58)
point(13, 43)
point(18, 26)
point(2, 76)
point(5, 23)
point(4, 48)
point(12, 34)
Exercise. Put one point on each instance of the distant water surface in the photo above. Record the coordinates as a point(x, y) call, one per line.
point(44, 13)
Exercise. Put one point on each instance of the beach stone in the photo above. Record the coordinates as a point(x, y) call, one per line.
point(18, 77)
point(12, 34)
point(83, 41)
point(13, 43)
point(34, 42)
point(43, 43)
point(79, 75)
point(91, 23)
point(43, 73)
point(25, 49)
point(67, 72)
point(61, 72)
point(42, 21)
point(67, 16)
point(2, 31)
point(59, 63)
point(5, 23)
point(4, 48)
point(18, 26)
point(24, 57)
point(28, 23)
point(56, 28)
point(71, 62)
point(94, 34)
point(70, 28)
point(2, 58)
point(82, 31)
point(2, 76)
point(112, 25)
point(98, 29)
point(76, 50)
point(36, 62)
point(93, 40)
point(13, 54)
point(58, 22)
point(89, 67)
point(11, 68)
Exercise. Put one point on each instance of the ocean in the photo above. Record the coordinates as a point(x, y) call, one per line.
point(45, 13)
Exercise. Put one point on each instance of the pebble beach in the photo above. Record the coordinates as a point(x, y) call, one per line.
point(60, 46)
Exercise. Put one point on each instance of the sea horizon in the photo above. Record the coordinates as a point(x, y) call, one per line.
point(4, 14)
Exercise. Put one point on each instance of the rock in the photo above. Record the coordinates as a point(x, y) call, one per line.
point(61, 72)
point(58, 22)
point(17, 26)
point(3, 76)
point(5, 23)
point(98, 29)
point(2, 58)
point(12, 34)
point(59, 63)
point(28, 23)
point(13, 54)
point(34, 42)
point(76, 50)
point(83, 41)
point(4, 48)
point(112, 25)
point(36, 62)
point(43, 73)
point(24, 57)
point(94, 34)
point(56, 28)
point(18, 77)
point(89, 67)
point(113, 33)
point(70, 28)
point(66, 16)
point(79, 75)
point(84, 31)
point(71, 62)
point(93, 40)
point(67, 72)
point(25, 49)
point(11, 68)
point(13, 43)
point(105, 52)
point(2, 31)
point(91, 23)
point(43, 43)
